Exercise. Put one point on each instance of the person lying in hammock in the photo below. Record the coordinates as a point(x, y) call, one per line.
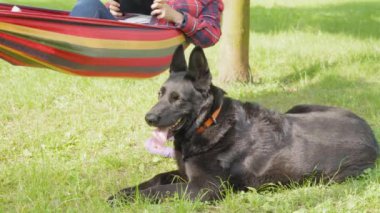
point(199, 20)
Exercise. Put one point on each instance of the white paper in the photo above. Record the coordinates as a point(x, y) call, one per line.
point(138, 19)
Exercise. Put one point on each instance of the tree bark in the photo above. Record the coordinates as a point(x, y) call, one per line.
point(233, 60)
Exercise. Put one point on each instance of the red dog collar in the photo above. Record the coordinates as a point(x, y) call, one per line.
point(209, 121)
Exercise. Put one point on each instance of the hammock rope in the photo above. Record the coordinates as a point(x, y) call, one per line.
point(52, 39)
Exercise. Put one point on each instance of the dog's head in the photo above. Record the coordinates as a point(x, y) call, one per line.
point(185, 96)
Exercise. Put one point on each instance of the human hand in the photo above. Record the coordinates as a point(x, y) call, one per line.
point(114, 7)
point(162, 10)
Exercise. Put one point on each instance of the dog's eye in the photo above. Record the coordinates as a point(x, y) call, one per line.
point(174, 96)
point(161, 92)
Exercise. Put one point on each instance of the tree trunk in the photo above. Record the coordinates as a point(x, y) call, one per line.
point(233, 58)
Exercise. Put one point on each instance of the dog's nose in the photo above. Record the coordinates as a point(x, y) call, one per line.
point(152, 119)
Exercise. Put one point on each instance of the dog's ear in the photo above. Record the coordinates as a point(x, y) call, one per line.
point(199, 70)
point(178, 62)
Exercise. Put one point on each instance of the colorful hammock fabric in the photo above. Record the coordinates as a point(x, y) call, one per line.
point(52, 39)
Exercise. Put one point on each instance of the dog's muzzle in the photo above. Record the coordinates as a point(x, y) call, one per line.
point(152, 119)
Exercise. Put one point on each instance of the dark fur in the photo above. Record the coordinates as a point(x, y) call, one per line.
point(249, 145)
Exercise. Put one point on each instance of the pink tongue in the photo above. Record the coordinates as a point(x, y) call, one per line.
point(161, 135)
point(156, 144)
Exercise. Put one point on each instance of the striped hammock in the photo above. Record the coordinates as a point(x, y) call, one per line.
point(51, 39)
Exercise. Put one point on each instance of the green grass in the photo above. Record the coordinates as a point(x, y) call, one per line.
point(68, 142)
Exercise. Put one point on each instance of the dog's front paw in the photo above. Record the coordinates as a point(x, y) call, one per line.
point(124, 196)
point(112, 201)
point(118, 199)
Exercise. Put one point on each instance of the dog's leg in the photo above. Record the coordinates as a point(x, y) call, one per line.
point(189, 190)
point(160, 179)
point(351, 171)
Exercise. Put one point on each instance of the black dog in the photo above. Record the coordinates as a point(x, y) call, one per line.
point(218, 139)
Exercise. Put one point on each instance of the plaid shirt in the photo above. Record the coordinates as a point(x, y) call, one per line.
point(202, 19)
point(201, 23)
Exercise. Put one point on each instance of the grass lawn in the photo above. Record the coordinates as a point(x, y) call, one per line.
point(68, 142)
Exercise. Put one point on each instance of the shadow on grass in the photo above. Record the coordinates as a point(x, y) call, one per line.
point(358, 19)
point(304, 73)
point(357, 95)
